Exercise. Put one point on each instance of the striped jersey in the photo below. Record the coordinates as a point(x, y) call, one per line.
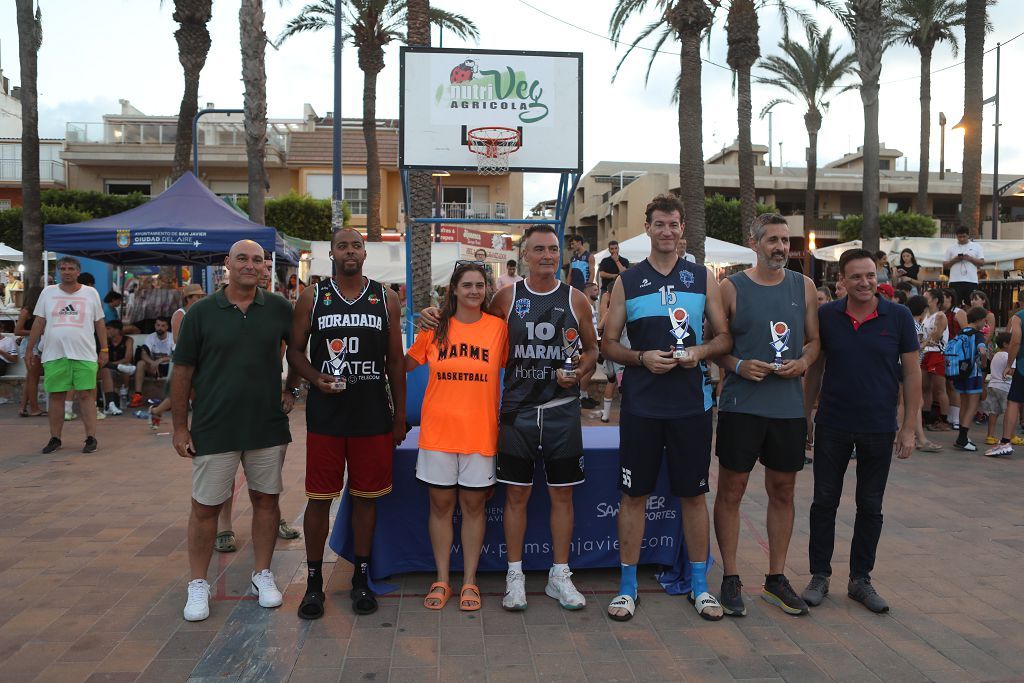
point(651, 300)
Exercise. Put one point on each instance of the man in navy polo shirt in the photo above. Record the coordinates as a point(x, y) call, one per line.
point(867, 343)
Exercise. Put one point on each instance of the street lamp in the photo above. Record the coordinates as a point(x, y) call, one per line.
point(942, 147)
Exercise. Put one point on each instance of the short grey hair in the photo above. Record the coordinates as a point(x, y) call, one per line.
point(71, 260)
point(760, 224)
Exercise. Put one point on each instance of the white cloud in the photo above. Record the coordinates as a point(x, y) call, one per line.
point(97, 52)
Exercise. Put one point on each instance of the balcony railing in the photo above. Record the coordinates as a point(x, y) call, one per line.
point(231, 134)
point(498, 210)
point(49, 171)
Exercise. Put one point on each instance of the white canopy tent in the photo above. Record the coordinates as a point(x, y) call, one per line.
point(931, 251)
point(716, 252)
point(385, 261)
point(9, 253)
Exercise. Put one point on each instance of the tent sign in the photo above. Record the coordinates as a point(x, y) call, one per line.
point(151, 238)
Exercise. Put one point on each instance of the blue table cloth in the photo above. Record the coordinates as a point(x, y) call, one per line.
point(402, 544)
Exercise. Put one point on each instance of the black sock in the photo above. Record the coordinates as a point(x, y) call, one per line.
point(361, 571)
point(1004, 441)
point(111, 397)
point(963, 435)
point(314, 579)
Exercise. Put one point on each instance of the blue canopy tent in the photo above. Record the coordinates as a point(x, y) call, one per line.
point(185, 225)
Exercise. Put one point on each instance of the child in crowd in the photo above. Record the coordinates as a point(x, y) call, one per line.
point(8, 352)
point(968, 385)
point(918, 306)
point(994, 403)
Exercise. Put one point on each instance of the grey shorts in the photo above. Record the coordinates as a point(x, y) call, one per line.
point(213, 476)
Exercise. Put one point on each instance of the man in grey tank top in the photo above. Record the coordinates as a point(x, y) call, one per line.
point(773, 320)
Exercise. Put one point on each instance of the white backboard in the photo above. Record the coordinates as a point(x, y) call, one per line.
point(447, 92)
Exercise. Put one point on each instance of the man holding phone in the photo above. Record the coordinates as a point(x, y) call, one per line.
point(963, 260)
point(229, 351)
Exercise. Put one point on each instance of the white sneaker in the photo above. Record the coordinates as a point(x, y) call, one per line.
point(126, 368)
point(515, 591)
point(561, 588)
point(100, 415)
point(263, 585)
point(198, 606)
point(112, 409)
point(68, 417)
point(999, 449)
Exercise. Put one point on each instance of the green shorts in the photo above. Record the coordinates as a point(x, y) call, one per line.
point(65, 374)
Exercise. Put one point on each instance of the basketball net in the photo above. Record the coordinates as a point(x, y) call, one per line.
point(492, 146)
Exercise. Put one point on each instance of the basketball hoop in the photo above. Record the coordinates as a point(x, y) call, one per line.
point(493, 145)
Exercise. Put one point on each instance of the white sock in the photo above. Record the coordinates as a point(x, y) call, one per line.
point(954, 415)
point(515, 566)
point(558, 569)
point(69, 406)
point(606, 410)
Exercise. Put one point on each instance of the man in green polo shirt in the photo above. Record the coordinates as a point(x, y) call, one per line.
point(229, 352)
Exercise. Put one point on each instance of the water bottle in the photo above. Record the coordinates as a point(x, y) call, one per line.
point(124, 395)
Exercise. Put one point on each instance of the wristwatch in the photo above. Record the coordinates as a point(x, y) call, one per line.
point(295, 391)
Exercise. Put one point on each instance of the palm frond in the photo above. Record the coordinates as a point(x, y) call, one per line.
point(767, 107)
point(313, 17)
point(621, 14)
point(463, 27)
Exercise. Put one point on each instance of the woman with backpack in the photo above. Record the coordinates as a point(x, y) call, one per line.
point(965, 353)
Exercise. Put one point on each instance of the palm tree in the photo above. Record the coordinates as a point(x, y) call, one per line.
point(372, 24)
point(421, 187)
point(193, 45)
point(923, 24)
point(741, 32)
point(869, 26)
point(974, 57)
point(30, 38)
point(254, 76)
point(689, 21)
point(810, 75)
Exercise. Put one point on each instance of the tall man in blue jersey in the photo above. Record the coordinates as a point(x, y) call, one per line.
point(666, 395)
point(581, 263)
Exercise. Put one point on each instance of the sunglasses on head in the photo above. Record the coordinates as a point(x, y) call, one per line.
point(460, 264)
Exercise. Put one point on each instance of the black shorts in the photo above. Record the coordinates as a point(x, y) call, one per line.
point(743, 439)
point(685, 442)
point(1016, 393)
point(553, 435)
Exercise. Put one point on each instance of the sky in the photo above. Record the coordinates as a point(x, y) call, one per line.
point(96, 53)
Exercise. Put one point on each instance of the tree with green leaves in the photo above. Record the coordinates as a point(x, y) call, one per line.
point(30, 38)
point(869, 24)
point(193, 40)
point(811, 74)
point(923, 24)
point(370, 25)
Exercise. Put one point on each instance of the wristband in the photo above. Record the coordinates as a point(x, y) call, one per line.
point(737, 368)
point(104, 350)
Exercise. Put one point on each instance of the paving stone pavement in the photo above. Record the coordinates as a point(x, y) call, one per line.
point(93, 572)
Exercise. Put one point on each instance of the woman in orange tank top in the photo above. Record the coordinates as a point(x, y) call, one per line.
point(459, 424)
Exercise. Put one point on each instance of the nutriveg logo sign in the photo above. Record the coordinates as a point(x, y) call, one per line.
point(487, 85)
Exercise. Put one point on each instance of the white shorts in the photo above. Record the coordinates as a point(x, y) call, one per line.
point(213, 476)
point(470, 471)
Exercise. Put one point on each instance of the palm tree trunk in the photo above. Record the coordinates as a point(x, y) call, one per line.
point(974, 56)
point(421, 185)
point(748, 202)
point(30, 37)
point(812, 120)
point(193, 40)
point(691, 149)
point(373, 230)
point(926, 131)
point(254, 76)
point(869, 45)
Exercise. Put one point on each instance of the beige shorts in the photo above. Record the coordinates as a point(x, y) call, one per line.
point(213, 476)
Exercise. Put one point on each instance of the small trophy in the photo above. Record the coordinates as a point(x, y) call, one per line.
point(780, 337)
point(680, 330)
point(570, 349)
point(337, 351)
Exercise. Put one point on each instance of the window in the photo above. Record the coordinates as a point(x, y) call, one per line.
point(356, 198)
point(5, 204)
point(884, 164)
point(127, 186)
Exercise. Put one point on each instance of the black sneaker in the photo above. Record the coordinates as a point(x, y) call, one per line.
point(90, 444)
point(816, 590)
point(731, 596)
point(51, 445)
point(778, 592)
point(863, 592)
point(589, 403)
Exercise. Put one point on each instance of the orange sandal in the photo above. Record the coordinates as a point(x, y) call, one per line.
point(469, 603)
point(446, 592)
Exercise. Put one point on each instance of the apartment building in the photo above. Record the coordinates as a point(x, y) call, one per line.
point(51, 168)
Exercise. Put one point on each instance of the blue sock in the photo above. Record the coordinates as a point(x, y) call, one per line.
point(699, 577)
point(627, 584)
